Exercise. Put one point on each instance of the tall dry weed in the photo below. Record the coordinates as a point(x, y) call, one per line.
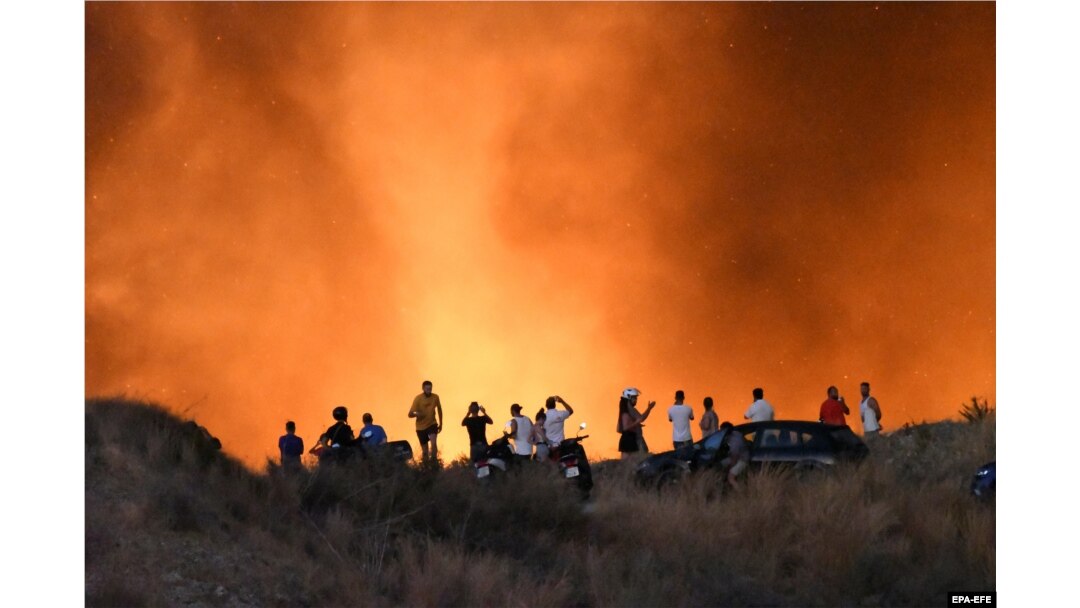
point(898, 530)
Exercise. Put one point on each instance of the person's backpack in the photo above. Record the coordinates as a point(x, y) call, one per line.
point(344, 439)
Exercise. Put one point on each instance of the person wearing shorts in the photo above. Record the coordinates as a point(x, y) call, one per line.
point(629, 426)
point(427, 409)
point(538, 437)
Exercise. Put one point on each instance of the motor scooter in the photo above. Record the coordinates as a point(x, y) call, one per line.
point(574, 463)
point(496, 459)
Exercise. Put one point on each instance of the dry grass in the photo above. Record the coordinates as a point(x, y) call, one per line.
point(170, 520)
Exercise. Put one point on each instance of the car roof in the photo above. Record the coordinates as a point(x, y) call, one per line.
point(797, 425)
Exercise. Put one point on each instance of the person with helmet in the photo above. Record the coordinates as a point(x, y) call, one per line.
point(339, 435)
point(629, 428)
point(636, 417)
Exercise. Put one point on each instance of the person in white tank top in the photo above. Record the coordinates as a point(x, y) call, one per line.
point(520, 430)
point(870, 412)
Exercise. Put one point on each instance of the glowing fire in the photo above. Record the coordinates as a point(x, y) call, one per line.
point(294, 206)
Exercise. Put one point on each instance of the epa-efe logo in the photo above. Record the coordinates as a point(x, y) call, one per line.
point(982, 598)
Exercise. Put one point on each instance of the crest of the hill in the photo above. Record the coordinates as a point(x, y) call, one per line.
point(172, 520)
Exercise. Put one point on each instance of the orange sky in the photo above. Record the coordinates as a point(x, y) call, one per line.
point(295, 206)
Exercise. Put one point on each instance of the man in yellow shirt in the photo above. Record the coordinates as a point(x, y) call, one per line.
point(427, 409)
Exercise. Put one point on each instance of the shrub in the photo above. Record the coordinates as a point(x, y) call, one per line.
point(194, 526)
point(976, 410)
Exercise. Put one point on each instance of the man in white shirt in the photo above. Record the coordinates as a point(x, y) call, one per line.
point(520, 429)
point(680, 416)
point(553, 426)
point(760, 410)
point(870, 412)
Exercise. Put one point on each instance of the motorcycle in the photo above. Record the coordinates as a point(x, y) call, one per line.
point(496, 459)
point(396, 451)
point(574, 463)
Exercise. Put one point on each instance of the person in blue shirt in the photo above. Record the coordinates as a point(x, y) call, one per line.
point(372, 434)
point(291, 447)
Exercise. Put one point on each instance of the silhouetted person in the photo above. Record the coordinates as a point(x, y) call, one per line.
point(631, 394)
point(760, 410)
point(340, 434)
point(521, 431)
point(710, 422)
point(630, 428)
point(553, 425)
point(476, 421)
point(337, 439)
point(738, 456)
point(291, 447)
point(538, 437)
point(870, 412)
point(834, 408)
point(427, 409)
point(680, 416)
point(372, 434)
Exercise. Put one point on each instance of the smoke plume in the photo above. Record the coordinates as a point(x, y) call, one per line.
point(295, 206)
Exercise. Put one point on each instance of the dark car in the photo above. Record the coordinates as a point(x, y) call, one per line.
point(794, 443)
point(983, 485)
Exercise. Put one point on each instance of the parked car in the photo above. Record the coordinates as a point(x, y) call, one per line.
point(793, 443)
point(984, 482)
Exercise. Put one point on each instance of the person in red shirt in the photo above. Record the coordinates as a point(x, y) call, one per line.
point(834, 408)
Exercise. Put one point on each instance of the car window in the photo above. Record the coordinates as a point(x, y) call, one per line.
point(787, 439)
point(750, 437)
point(769, 438)
point(714, 441)
point(816, 440)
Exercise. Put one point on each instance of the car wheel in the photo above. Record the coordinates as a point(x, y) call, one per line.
point(668, 478)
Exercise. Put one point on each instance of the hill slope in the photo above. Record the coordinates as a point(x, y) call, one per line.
point(172, 521)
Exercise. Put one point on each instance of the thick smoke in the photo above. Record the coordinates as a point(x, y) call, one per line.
point(294, 206)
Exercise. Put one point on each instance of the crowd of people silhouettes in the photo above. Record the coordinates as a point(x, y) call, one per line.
point(539, 438)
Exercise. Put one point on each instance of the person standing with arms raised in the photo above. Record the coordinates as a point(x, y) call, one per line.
point(631, 395)
point(629, 428)
point(476, 421)
point(553, 425)
point(427, 409)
